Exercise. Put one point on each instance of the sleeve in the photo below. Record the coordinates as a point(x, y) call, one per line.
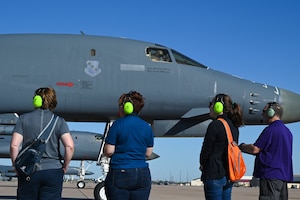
point(111, 137)
point(263, 141)
point(18, 127)
point(151, 138)
point(208, 142)
point(238, 135)
point(64, 128)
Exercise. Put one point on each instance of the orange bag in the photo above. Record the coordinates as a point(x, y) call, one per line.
point(237, 166)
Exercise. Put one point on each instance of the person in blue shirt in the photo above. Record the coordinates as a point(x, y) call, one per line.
point(273, 151)
point(129, 143)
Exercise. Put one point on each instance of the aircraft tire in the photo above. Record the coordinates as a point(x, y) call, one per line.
point(81, 184)
point(99, 191)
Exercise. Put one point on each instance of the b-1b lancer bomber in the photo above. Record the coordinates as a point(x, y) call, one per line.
point(89, 73)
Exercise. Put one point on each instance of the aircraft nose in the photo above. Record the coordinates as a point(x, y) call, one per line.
point(290, 102)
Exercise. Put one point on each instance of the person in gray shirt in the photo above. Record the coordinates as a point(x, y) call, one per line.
point(47, 181)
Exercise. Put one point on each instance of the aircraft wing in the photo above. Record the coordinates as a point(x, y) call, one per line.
point(192, 124)
point(8, 119)
point(82, 140)
point(76, 171)
point(8, 171)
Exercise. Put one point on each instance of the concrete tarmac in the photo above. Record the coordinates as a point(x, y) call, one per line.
point(158, 192)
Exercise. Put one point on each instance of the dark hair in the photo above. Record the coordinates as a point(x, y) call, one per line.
point(48, 97)
point(232, 110)
point(135, 98)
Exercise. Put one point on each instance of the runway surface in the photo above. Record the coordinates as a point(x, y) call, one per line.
point(158, 192)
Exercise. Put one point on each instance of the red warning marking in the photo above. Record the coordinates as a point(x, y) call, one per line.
point(68, 84)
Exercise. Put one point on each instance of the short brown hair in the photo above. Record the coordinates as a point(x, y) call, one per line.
point(48, 97)
point(135, 98)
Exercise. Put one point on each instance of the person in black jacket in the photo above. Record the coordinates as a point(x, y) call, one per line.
point(213, 156)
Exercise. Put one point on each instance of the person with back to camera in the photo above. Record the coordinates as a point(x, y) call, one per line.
point(47, 181)
point(129, 142)
point(213, 156)
point(273, 151)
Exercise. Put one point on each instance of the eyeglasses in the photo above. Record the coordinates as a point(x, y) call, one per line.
point(210, 104)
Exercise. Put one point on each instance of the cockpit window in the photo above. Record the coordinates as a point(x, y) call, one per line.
point(158, 55)
point(182, 59)
point(162, 55)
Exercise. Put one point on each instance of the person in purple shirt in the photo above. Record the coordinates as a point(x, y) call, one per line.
point(273, 151)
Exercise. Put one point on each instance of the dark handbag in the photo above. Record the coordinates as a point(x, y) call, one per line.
point(28, 159)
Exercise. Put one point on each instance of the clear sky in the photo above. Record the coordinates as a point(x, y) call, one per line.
point(253, 39)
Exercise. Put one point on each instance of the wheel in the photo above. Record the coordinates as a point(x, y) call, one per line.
point(80, 184)
point(99, 192)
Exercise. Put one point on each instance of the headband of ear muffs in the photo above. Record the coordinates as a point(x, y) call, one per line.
point(37, 101)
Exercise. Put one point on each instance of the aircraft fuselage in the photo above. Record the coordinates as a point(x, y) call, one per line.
point(89, 73)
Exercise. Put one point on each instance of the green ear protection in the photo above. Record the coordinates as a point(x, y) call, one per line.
point(128, 108)
point(37, 101)
point(128, 105)
point(219, 104)
point(218, 107)
point(270, 111)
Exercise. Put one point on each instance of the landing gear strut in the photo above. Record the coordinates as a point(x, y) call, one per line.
point(99, 190)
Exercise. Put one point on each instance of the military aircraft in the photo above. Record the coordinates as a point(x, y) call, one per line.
point(7, 172)
point(89, 73)
point(82, 140)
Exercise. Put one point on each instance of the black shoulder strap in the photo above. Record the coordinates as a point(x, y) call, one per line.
point(47, 131)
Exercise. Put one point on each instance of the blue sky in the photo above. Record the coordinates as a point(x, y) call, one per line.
point(253, 39)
